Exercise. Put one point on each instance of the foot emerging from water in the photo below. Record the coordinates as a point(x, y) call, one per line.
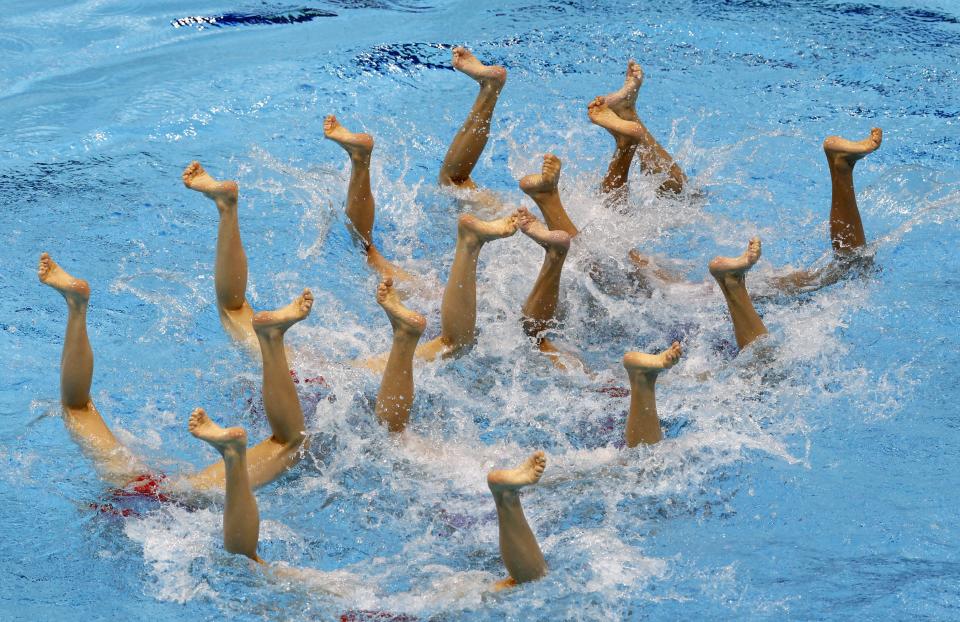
point(472, 230)
point(527, 474)
point(623, 102)
point(222, 439)
point(732, 269)
point(557, 242)
point(652, 364)
point(76, 291)
point(402, 319)
point(357, 145)
point(842, 151)
point(544, 182)
point(283, 318)
point(223, 193)
point(601, 114)
point(487, 75)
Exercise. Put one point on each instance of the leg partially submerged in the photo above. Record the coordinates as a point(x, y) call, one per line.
point(273, 457)
point(846, 228)
point(468, 144)
point(542, 188)
point(730, 273)
point(643, 424)
point(230, 268)
point(540, 309)
point(518, 546)
point(623, 103)
point(360, 203)
point(396, 389)
point(241, 517)
point(654, 159)
point(82, 419)
point(458, 311)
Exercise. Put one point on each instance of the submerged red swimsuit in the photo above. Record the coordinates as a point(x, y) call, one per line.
point(146, 487)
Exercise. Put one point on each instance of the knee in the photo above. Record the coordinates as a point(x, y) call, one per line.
point(293, 444)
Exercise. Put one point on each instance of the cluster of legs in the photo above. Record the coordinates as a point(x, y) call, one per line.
point(847, 239)
point(269, 459)
point(241, 517)
point(243, 469)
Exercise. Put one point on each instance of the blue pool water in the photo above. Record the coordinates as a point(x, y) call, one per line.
point(824, 488)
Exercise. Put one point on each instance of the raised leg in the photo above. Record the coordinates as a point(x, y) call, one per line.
point(643, 424)
point(241, 517)
point(541, 305)
point(846, 228)
point(458, 310)
point(274, 456)
point(360, 203)
point(540, 308)
point(396, 389)
point(542, 188)
point(230, 267)
point(623, 103)
point(654, 159)
point(518, 546)
point(82, 419)
point(468, 144)
point(730, 274)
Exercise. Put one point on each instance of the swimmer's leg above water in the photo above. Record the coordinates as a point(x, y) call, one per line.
point(360, 202)
point(230, 268)
point(518, 546)
point(643, 424)
point(617, 114)
point(846, 228)
point(540, 309)
point(623, 103)
point(730, 274)
point(274, 456)
point(470, 140)
point(241, 517)
point(112, 461)
point(458, 310)
point(542, 187)
point(395, 397)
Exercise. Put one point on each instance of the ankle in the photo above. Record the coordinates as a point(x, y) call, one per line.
point(360, 160)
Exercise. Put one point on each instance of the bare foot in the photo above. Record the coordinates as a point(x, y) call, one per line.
point(222, 439)
point(546, 181)
point(527, 474)
point(623, 102)
point(284, 317)
point(401, 318)
point(472, 229)
point(641, 363)
point(224, 193)
point(486, 75)
point(601, 114)
point(849, 151)
point(76, 291)
point(736, 267)
point(355, 144)
point(556, 241)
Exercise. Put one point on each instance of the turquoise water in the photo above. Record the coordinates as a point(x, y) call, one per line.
point(821, 489)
